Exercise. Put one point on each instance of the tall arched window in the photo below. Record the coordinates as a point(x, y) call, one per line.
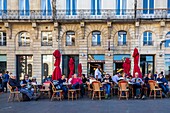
point(96, 38)
point(122, 35)
point(24, 39)
point(147, 38)
point(70, 38)
point(2, 39)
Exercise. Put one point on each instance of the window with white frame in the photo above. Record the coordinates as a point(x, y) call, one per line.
point(3, 6)
point(24, 7)
point(121, 7)
point(46, 7)
point(96, 38)
point(46, 38)
point(122, 38)
point(147, 39)
point(70, 38)
point(71, 7)
point(24, 39)
point(148, 6)
point(2, 39)
point(95, 7)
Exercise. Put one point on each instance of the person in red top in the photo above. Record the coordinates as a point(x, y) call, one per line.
point(77, 83)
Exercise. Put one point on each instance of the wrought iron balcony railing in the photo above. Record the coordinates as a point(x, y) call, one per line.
point(96, 43)
point(87, 14)
point(47, 43)
point(121, 43)
point(67, 14)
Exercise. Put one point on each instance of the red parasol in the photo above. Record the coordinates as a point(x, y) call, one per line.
point(136, 61)
point(71, 67)
point(126, 66)
point(79, 70)
point(57, 71)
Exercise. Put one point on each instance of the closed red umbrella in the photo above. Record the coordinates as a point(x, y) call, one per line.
point(136, 61)
point(71, 67)
point(80, 70)
point(126, 66)
point(57, 71)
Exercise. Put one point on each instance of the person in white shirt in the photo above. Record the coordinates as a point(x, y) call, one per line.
point(98, 74)
point(115, 78)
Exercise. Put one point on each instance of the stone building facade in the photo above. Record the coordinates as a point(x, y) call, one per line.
point(120, 29)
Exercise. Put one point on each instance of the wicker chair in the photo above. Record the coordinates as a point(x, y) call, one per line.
point(72, 93)
point(154, 88)
point(45, 89)
point(123, 87)
point(90, 90)
point(13, 94)
point(96, 88)
point(54, 95)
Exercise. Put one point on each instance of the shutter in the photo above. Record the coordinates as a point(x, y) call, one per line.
point(144, 38)
point(117, 7)
point(124, 7)
point(49, 8)
point(168, 6)
point(27, 10)
point(98, 7)
point(98, 39)
point(43, 7)
point(68, 2)
point(151, 6)
point(92, 7)
point(74, 5)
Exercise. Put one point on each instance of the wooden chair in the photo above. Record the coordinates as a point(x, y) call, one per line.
point(72, 93)
point(123, 87)
point(55, 91)
point(96, 88)
point(115, 88)
point(45, 89)
point(154, 88)
point(90, 90)
point(13, 94)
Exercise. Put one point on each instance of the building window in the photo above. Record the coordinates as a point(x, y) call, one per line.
point(167, 64)
point(121, 7)
point(24, 39)
point(46, 39)
point(24, 65)
point(95, 7)
point(46, 7)
point(148, 6)
point(147, 39)
point(168, 6)
point(70, 38)
point(24, 7)
point(71, 6)
point(47, 66)
point(2, 39)
point(3, 63)
point(167, 40)
point(3, 6)
point(122, 38)
point(96, 38)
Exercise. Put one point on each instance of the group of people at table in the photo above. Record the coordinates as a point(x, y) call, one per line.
point(24, 86)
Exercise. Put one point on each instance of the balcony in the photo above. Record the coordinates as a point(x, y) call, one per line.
point(70, 44)
point(152, 13)
point(24, 44)
point(67, 15)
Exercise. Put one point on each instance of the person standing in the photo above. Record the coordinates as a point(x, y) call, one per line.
point(0, 82)
point(5, 79)
point(98, 74)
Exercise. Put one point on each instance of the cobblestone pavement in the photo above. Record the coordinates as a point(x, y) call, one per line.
point(86, 105)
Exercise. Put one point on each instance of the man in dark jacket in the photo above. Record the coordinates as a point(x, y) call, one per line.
point(164, 84)
point(5, 79)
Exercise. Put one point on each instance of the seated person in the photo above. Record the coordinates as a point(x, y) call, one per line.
point(26, 88)
point(115, 78)
point(77, 83)
point(63, 87)
point(14, 83)
point(137, 85)
point(34, 80)
point(164, 84)
point(107, 80)
point(84, 79)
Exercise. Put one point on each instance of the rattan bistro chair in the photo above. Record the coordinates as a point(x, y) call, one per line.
point(154, 88)
point(123, 87)
point(96, 88)
point(55, 95)
point(13, 94)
